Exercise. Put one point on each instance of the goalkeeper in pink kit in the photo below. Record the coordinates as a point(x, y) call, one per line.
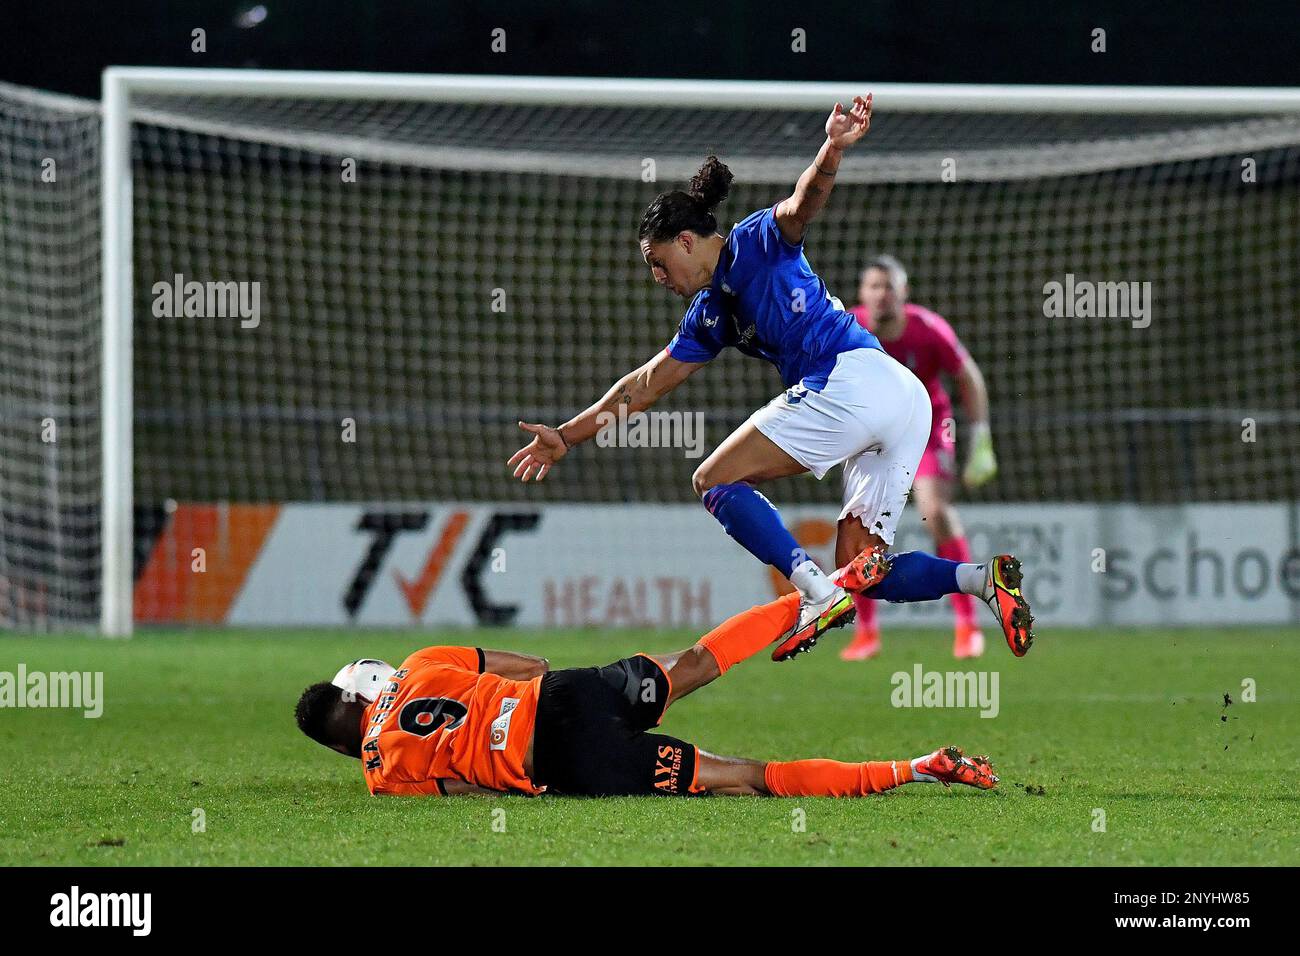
point(926, 344)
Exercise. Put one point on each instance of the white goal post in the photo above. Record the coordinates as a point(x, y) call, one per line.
point(126, 88)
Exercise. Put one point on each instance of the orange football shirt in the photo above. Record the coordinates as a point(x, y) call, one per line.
point(440, 717)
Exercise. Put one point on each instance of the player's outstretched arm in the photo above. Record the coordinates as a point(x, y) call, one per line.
point(813, 189)
point(637, 390)
point(514, 666)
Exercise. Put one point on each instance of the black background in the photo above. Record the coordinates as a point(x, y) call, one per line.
point(386, 907)
point(61, 45)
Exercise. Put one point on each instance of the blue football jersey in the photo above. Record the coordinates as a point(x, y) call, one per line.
point(767, 302)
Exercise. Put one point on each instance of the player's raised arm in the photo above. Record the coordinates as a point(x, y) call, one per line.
point(843, 129)
point(637, 390)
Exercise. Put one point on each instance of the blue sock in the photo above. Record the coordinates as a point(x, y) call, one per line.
point(916, 576)
point(755, 523)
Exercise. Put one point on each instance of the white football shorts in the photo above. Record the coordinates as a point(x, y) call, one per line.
point(873, 417)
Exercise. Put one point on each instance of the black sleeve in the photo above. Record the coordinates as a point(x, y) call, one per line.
point(482, 660)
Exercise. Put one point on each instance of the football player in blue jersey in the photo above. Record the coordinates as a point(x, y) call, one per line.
point(845, 400)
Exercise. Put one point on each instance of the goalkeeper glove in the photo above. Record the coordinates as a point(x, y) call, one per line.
point(982, 464)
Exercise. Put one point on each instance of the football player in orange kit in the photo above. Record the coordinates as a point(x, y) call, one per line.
point(458, 720)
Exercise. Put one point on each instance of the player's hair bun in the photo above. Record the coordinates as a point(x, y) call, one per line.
point(709, 186)
point(670, 213)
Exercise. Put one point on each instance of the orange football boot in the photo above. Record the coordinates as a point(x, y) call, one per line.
point(1002, 580)
point(815, 620)
point(865, 571)
point(949, 765)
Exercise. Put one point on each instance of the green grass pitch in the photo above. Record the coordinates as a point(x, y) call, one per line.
point(1126, 722)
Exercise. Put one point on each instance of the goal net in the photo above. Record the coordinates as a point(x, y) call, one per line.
point(391, 276)
point(50, 322)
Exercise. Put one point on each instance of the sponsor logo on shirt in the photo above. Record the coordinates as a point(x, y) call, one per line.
point(500, 732)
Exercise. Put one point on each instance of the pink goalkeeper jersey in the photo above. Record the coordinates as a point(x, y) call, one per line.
point(929, 347)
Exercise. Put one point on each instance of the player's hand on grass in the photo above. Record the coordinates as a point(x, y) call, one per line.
point(537, 457)
point(843, 129)
point(982, 464)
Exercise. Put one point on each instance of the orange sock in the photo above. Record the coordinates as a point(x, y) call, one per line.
point(830, 778)
point(745, 634)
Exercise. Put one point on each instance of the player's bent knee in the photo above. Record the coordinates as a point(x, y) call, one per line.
point(690, 670)
point(702, 480)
